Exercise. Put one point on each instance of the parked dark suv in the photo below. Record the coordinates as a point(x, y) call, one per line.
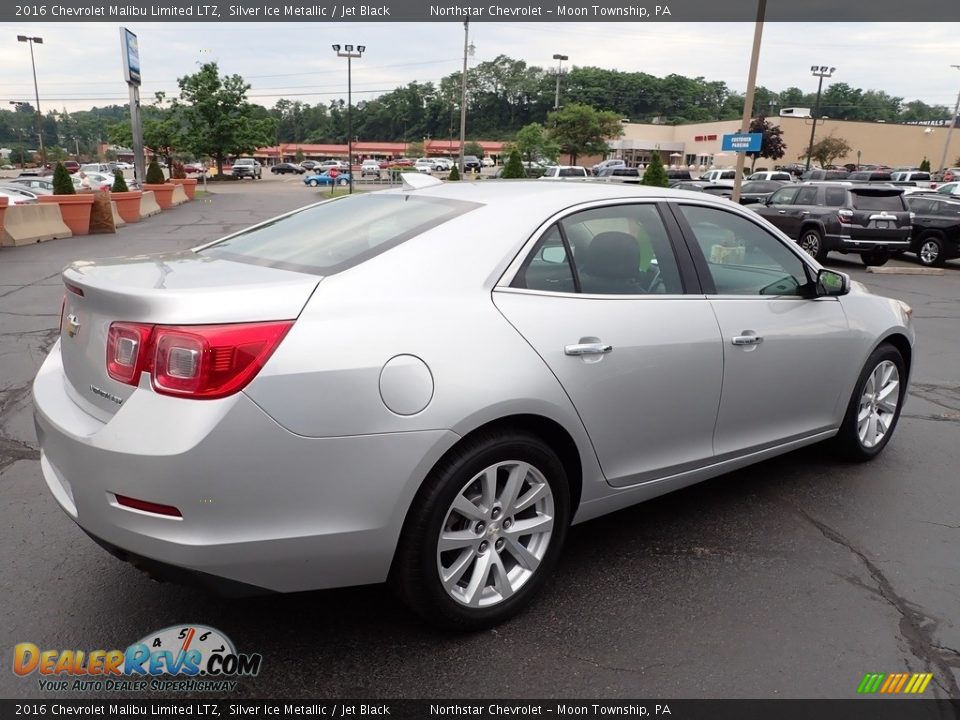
point(936, 229)
point(869, 220)
point(825, 175)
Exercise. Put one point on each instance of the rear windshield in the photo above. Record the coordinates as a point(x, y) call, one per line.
point(336, 235)
point(572, 172)
point(891, 203)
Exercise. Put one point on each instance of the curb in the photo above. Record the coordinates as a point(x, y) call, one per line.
point(884, 270)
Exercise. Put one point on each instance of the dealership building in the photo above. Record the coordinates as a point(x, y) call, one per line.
point(699, 144)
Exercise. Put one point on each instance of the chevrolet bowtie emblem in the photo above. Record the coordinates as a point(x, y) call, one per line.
point(73, 325)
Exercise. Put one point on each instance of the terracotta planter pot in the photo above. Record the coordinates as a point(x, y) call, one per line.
point(163, 192)
point(189, 185)
point(128, 205)
point(75, 210)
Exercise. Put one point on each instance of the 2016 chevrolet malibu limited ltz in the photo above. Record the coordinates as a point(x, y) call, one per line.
point(433, 387)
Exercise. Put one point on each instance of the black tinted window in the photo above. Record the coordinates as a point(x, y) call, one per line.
point(921, 206)
point(784, 196)
point(834, 197)
point(890, 203)
point(548, 267)
point(806, 196)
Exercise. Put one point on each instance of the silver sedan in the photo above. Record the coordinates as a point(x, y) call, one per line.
point(434, 388)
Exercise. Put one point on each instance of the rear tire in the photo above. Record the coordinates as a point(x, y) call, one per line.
point(930, 251)
point(468, 505)
point(811, 242)
point(872, 410)
point(875, 258)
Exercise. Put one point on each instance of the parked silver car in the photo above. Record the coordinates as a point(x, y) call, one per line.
point(435, 387)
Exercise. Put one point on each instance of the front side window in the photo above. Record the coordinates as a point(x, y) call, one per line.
point(742, 257)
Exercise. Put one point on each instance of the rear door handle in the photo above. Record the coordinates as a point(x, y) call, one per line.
point(747, 340)
point(594, 348)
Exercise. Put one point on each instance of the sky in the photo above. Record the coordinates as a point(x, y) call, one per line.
point(79, 64)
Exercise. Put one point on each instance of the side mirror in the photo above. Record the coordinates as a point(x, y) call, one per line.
point(832, 283)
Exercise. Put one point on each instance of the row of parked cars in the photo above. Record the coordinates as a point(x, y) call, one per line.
point(27, 188)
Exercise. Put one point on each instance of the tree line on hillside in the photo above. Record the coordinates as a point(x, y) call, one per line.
point(505, 95)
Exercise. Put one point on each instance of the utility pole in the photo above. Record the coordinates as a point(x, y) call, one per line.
point(559, 58)
point(748, 100)
point(953, 121)
point(463, 90)
point(820, 71)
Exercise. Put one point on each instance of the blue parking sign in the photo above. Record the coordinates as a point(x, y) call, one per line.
point(742, 142)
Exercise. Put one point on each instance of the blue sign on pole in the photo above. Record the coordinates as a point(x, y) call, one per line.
point(742, 142)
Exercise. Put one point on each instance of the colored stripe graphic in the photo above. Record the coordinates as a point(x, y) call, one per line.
point(894, 683)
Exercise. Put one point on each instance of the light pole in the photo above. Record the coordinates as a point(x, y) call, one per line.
point(953, 121)
point(820, 71)
point(463, 91)
point(559, 58)
point(349, 53)
point(36, 91)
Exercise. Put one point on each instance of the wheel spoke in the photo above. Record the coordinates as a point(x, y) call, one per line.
point(523, 556)
point(883, 421)
point(478, 579)
point(864, 414)
point(534, 494)
point(488, 486)
point(530, 526)
point(501, 581)
point(451, 575)
point(872, 430)
point(467, 509)
point(456, 539)
point(515, 478)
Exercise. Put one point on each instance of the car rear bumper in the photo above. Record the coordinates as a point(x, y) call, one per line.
point(854, 243)
point(260, 505)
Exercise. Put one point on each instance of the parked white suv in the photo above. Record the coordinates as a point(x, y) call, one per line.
point(720, 177)
point(565, 172)
point(769, 175)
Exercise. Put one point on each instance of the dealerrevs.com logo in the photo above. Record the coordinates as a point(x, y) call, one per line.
point(186, 658)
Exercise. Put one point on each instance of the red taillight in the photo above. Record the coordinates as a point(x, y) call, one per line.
point(845, 216)
point(147, 506)
point(127, 354)
point(197, 361)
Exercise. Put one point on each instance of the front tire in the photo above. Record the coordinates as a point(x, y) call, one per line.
point(313, 183)
point(874, 408)
point(484, 532)
point(875, 258)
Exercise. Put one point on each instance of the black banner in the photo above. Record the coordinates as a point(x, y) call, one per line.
point(125, 11)
point(860, 709)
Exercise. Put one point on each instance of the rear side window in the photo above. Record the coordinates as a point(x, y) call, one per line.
point(834, 197)
point(806, 196)
point(333, 236)
point(921, 206)
point(890, 203)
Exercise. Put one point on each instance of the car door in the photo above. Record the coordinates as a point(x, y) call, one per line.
point(780, 211)
point(787, 354)
point(601, 298)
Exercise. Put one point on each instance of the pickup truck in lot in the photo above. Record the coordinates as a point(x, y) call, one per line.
point(870, 220)
point(247, 167)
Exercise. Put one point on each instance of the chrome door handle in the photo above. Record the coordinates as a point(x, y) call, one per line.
point(596, 348)
point(782, 212)
point(805, 212)
point(747, 340)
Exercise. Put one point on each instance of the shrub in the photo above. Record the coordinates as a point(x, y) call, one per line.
point(925, 165)
point(655, 175)
point(62, 182)
point(155, 174)
point(514, 167)
point(177, 171)
point(119, 184)
point(454, 174)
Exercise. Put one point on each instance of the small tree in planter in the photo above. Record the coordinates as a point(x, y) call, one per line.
point(62, 182)
point(119, 183)
point(177, 172)
point(74, 208)
point(514, 167)
point(128, 201)
point(655, 175)
point(454, 174)
point(925, 165)
point(157, 184)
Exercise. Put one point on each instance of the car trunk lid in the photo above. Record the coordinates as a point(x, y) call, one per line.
point(172, 289)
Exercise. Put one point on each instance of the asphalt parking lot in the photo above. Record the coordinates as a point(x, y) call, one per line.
point(789, 579)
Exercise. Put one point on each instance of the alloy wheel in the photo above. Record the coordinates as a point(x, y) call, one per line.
point(810, 243)
point(878, 404)
point(929, 252)
point(495, 534)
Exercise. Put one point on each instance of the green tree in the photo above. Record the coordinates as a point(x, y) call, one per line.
point(454, 174)
point(62, 182)
point(582, 130)
point(218, 120)
point(473, 148)
point(514, 167)
point(772, 146)
point(155, 174)
point(828, 149)
point(925, 165)
point(119, 184)
point(299, 156)
point(415, 150)
point(655, 175)
point(535, 143)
